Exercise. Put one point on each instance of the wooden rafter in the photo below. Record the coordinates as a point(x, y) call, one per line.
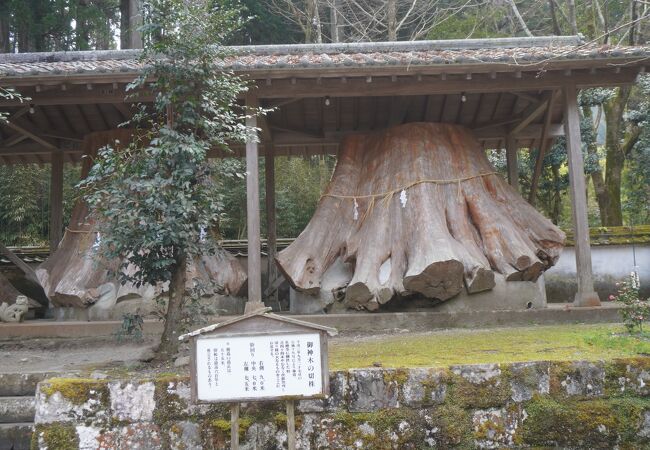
point(30, 132)
point(531, 113)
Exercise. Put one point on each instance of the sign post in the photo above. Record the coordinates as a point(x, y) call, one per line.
point(256, 357)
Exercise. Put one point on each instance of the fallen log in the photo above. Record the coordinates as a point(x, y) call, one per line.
point(418, 209)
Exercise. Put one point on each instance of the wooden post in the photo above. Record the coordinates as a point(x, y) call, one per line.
point(511, 161)
point(234, 426)
point(586, 296)
point(253, 213)
point(291, 425)
point(56, 200)
point(271, 242)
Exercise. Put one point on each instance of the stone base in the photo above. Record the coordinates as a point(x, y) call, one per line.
point(505, 296)
point(586, 299)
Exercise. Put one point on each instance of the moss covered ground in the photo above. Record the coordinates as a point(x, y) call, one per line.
point(502, 345)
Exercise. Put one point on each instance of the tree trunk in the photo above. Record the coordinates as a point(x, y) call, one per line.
point(572, 16)
point(169, 339)
point(5, 46)
point(125, 15)
point(391, 19)
point(520, 19)
point(418, 209)
point(612, 214)
point(556, 25)
point(73, 276)
point(597, 179)
point(335, 9)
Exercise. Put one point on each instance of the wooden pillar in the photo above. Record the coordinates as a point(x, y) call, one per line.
point(511, 161)
point(56, 200)
point(586, 296)
point(253, 214)
point(269, 168)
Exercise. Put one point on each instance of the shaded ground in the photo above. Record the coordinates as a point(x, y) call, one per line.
point(400, 348)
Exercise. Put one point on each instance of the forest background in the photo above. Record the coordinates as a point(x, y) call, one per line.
point(615, 125)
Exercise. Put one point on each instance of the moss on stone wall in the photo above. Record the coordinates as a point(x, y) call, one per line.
point(55, 436)
point(575, 404)
point(489, 393)
point(615, 235)
point(170, 405)
point(77, 390)
point(599, 423)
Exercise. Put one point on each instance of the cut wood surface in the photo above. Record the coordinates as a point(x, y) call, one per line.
point(418, 209)
point(74, 276)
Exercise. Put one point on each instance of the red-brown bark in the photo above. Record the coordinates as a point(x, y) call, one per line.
point(449, 234)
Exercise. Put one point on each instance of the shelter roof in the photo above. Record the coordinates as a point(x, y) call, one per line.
point(517, 53)
point(320, 93)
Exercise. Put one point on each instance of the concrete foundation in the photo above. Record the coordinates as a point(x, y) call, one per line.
point(506, 295)
point(611, 263)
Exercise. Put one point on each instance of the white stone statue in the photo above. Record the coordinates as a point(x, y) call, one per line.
point(15, 312)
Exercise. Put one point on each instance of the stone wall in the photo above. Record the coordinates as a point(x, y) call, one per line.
point(539, 404)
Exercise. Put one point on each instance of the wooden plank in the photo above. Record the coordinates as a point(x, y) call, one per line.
point(253, 212)
point(511, 161)
point(56, 200)
point(399, 109)
point(269, 187)
point(586, 296)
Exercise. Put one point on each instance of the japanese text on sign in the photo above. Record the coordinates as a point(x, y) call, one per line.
point(249, 367)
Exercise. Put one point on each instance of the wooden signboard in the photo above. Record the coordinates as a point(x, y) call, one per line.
point(256, 357)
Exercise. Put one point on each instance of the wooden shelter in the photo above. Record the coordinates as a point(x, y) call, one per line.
point(512, 92)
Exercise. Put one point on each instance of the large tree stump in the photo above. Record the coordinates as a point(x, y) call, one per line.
point(74, 276)
point(418, 209)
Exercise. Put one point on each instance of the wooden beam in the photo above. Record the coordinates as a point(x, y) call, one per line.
point(544, 146)
point(253, 213)
point(586, 295)
point(14, 140)
point(511, 161)
point(56, 200)
point(271, 232)
point(31, 133)
point(79, 97)
point(357, 87)
point(530, 114)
